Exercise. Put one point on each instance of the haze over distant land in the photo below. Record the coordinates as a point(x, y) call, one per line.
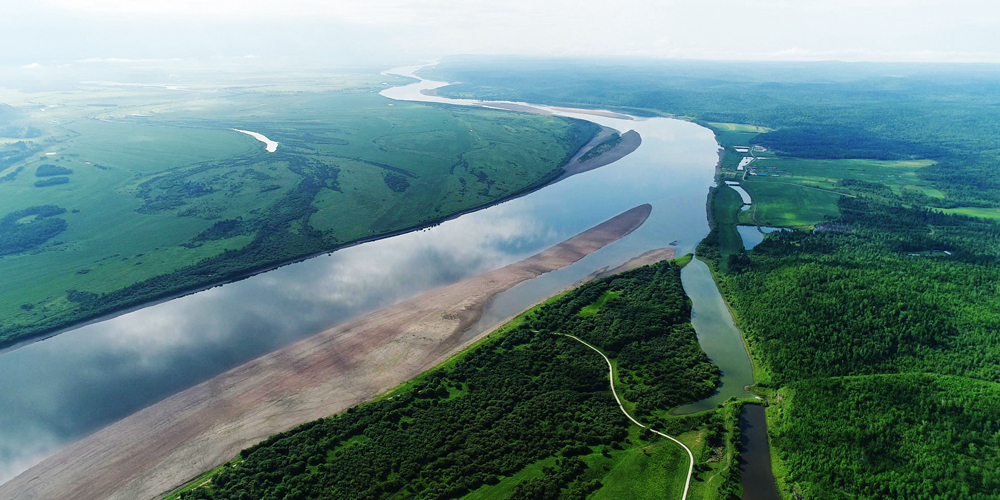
point(270, 33)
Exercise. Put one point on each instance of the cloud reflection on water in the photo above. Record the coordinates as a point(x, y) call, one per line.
point(70, 385)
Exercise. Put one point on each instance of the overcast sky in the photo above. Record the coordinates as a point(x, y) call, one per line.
point(43, 32)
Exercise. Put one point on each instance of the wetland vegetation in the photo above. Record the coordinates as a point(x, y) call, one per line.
point(164, 199)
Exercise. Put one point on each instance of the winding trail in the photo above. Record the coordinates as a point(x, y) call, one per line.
point(611, 379)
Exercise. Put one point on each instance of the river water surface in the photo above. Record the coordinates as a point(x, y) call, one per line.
point(755, 461)
point(64, 388)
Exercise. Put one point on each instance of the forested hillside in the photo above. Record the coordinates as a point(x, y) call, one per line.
point(524, 414)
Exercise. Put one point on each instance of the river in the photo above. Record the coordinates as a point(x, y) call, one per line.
point(64, 388)
point(755, 461)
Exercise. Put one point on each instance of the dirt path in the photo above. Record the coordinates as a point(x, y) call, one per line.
point(611, 378)
point(166, 444)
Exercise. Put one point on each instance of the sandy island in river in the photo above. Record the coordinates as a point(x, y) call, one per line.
point(156, 449)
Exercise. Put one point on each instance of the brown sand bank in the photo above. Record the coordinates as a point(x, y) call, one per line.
point(594, 112)
point(630, 142)
point(650, 257)
point(160, 447)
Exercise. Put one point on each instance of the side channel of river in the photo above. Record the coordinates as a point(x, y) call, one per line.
point(64, 388)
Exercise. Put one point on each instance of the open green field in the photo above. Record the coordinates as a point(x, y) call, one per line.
point(797, 192)
point(899, 176)
point(983, 213)
point(788, 205)
point(735, 134)
point(149, 200)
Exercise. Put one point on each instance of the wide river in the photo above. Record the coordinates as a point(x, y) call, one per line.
point(64, 388)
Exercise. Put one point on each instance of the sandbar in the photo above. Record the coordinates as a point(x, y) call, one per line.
point(629, 143)
point(270, 145)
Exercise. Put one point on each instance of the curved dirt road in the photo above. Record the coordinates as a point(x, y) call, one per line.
point(611, 377)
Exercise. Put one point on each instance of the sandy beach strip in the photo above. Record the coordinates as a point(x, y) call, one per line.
point(269, 145)
point(156, 449)
point(629, 143)
point(594, 112)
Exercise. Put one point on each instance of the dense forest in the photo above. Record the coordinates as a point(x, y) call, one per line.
point(26, 229)
point(918, 436)
point(522, 397)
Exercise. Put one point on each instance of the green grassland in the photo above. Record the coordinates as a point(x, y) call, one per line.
point(982, 213)
point(523, 413)
point(164, 198)
point(788, 205)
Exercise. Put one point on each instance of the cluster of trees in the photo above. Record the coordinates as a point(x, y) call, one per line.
point(523, 396)
point(841, 142)
point(605, 146)
point(883, 297)
point(396, 182)
point(50, 170)
point(846, 318)
point(52, 181)
point(18, 235)
point(10, 176)
point(918, 436)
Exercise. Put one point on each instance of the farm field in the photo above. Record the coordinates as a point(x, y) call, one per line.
point(113, 202)
point(798, 192)
point(787, 205)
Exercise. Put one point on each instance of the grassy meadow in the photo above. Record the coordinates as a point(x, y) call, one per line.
point(149, 200)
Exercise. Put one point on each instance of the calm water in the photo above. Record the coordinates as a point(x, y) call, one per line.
point(755, 460)
point(718, 336)
point(753, 235)
point(66, 387)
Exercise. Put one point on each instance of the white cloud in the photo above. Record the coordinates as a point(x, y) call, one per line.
point(121, 60)
point(32, 66)
point(910, 30)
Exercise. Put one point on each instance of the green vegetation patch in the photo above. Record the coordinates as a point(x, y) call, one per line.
point(788, 205)
point(592, 309)
point(858, 299)
point(50, 170)
point(605, 146)
point(983, 213)
point(723, 246)
point(29, 228)
point(896, 436)
point(52, 181)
